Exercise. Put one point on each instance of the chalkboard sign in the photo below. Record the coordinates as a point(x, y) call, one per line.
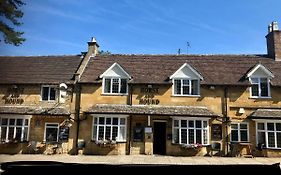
point(63, 134)
point(216, 132)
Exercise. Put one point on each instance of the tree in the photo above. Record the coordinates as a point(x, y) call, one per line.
point(9, 10)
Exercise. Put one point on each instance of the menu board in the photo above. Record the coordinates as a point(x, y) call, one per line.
point(216, 132)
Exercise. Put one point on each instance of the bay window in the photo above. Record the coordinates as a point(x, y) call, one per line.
point(269, 134)
point(14, 129)
point(190, 131)
point(186, 87)
point(106, 128)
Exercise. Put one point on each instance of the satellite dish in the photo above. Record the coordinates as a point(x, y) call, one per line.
point(63, 86)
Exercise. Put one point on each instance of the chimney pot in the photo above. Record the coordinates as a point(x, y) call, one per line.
point(274, 26)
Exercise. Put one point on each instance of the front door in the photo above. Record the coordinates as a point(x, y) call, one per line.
point(159, 138)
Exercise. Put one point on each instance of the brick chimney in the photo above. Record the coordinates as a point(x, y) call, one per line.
point(93, 47)
point(273, 39)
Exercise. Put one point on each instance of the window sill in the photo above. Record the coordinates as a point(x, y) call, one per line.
point(108, 94)
point(195, 96)
point(260, 98)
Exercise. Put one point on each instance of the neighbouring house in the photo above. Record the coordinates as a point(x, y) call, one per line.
point(187, 105)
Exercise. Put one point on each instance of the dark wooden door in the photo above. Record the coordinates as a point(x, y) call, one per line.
point(159, 138)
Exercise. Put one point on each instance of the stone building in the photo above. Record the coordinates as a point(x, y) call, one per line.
point(228, 105)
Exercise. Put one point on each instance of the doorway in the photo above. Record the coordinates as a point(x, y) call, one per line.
point(159, 138)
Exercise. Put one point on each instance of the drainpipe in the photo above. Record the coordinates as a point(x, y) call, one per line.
point(129, 102)
point(77, 111)
point(225, 117)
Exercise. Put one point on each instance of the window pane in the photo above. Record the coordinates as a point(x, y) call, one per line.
point(260, 126)
point(95, 132)
point(177, 86)
point(243, 126)
point(198, 124)
point(123, 86)
point(270, 126)
point(107, 132)
point(122, 135)
point(244, 136)
point(51, 134)
point(255, 90)
point(52, 94)
point(19, 122)
point(108, 121)
point(4, 121)
point(278, 126)
point(11, 133)
point(234, 126)
point(122, 121)
point(185, 82)
point(234, 135)
point(185, 90)
point(205, 137)
point(114, 132)
point(12, 121)
point(25, 131)
point(176, 123)
point(26, 122)
point(184, 136)
point(3, 133)
point(261, 137)
point(278, 140)
point(45, 93)
point(205, 124)
point(191, 136)
point(101, 120)
point(101, 133)
point(194, 87)
point(95, 120)
point(115, 121)
point(264, 88)
point(198, 136)
point(107, 85)
point(115, 85)
point(184, 123)
point(190, 123)
point(52, 125)
point(176, 136)
point(18, 134)
point(254, 80)
point(271, 139)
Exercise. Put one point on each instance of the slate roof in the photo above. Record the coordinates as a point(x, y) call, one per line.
point(215, 69)
point(266, 114)
point(197, 111)
point(34, 110)
point(38, 69)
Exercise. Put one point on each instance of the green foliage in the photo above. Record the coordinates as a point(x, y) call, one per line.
point(9, 10)
point(102, 52)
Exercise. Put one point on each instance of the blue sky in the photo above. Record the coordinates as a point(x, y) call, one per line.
point(63, 27)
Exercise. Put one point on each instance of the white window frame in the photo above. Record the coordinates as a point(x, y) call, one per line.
point(111, 84)
point(239, 130)
point(259, 87)
point(194, 120)
point(49, 86)
point(266, 132)
point(52, 123)
point(190, 87)
point(23, 117)
point(111, 125)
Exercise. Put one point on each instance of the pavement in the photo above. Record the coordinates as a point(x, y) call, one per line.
point(140, 159)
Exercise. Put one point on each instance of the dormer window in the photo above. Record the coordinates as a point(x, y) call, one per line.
point(259, 78)
point(186, 81)
point(186, 87)
point(260, 87)
point(115, 86)
point(115, 80)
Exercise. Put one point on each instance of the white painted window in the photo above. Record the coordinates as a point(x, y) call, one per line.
point(115, 86)
point(269, 134)
point(48, 93)
point(239, 132)
point(186, 87)
point(109, 128)
point(14, 129)
point(260, 87)
point(190, 131)
point(51, 132)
